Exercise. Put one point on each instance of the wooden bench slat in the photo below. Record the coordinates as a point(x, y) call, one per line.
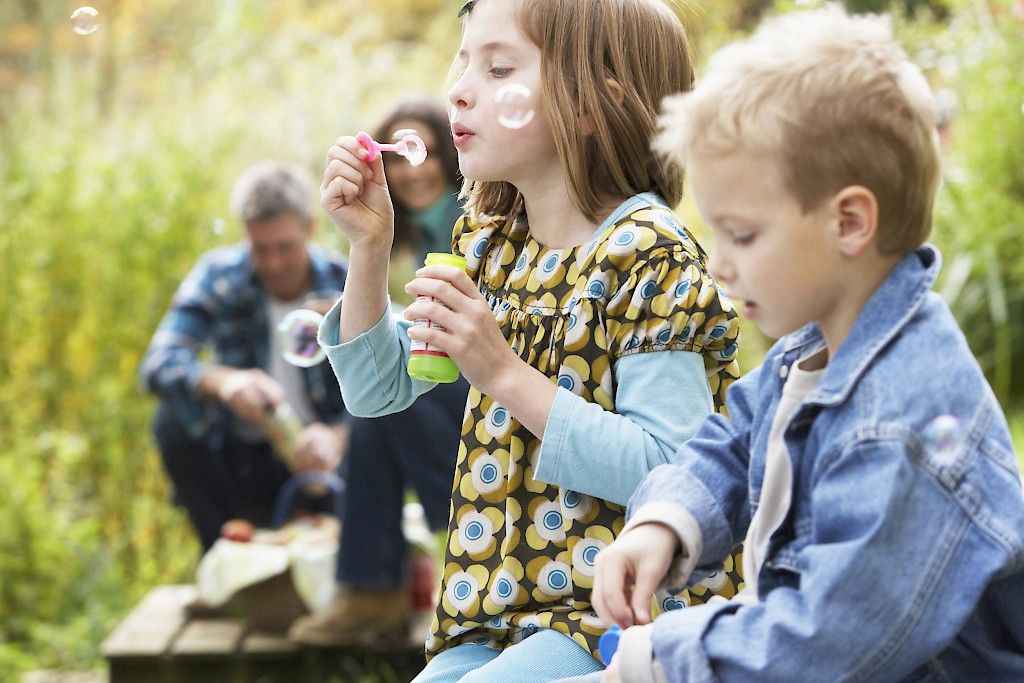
point(262, 643)
point(150, 628)
point(209, 637)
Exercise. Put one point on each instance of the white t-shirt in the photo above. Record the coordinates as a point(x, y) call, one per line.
point(284, 372)
point(777, 486)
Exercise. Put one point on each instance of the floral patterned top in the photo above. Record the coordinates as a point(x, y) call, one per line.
point(521, 552)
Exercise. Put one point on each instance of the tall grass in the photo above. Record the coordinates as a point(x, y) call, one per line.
point(109, 190)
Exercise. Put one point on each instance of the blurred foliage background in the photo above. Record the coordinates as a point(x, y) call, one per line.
point(117, 149)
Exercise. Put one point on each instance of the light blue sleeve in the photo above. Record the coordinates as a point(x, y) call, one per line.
point(371, 367)
point(661, 398)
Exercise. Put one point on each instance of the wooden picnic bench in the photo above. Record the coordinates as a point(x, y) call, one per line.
point(158, 643)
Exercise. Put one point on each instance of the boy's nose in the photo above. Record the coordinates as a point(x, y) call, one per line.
point(718, 266)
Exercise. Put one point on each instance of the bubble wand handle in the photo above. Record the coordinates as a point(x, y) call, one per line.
point(410, 146)
point(372, 147)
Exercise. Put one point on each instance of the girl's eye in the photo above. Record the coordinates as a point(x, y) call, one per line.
point(500, 71)
point(741, 240)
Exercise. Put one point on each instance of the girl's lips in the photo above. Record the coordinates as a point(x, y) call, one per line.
point(460, 134)
point(749, 309)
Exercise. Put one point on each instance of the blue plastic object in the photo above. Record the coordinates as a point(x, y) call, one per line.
point(609, 643)
point(286, 496)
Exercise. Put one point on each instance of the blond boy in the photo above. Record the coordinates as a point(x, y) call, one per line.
point(866, 465)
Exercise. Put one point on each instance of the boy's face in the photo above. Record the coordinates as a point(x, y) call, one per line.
point(780, 266)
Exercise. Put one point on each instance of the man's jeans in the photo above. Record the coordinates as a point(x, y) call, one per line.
point(416, 449)
point(240, 479)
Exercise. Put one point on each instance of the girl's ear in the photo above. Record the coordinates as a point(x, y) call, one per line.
point(617, 93)
point(857, 211)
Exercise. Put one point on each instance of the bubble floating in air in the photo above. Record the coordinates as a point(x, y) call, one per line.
point(300, 347)
point(85, 20)
point(515, 105)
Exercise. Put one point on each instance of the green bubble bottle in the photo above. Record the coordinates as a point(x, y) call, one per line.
point(429, 363)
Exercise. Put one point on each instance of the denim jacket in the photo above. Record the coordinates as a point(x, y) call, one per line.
point(221, 303)
point(901, 558)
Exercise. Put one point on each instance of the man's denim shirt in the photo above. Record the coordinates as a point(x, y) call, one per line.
point(901, 556)
point(222, 303)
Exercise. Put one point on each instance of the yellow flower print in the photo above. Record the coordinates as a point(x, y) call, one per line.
point(577, 328)
point(553, 579)
point(463, 591)
point(513, 513)
point(577, 507)
point(584, 554)
point(547, 526)
point(497, 423)
point(476, 533)
point(549, 269)
point(573, 374)
point(530, 466)
point(504, 588)
point(520, 274)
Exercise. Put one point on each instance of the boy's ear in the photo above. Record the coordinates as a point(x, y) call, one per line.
point(617, 93)
point(856, 209)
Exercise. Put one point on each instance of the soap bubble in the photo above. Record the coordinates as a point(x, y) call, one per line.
point(942, 434)
point(85, 20)
point(299, 328)
point(409, 145)
point(515, 105)
point(218, 226)
point(413, 150)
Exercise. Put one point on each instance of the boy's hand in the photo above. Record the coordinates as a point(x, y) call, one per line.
point(611, 674)
point(354, 193)
point(629, 571)
point(472, 338)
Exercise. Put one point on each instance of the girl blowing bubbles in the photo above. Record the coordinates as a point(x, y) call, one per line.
point(593, 338)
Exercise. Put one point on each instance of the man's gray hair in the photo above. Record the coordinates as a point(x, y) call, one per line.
point(270, 188)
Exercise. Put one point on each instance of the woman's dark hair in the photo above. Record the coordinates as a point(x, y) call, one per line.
point(432, 113)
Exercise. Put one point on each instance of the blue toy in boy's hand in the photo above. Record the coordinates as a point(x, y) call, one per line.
point(609, 643)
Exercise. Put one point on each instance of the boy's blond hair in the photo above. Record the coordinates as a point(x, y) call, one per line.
point(639, 44)
point(835, 101)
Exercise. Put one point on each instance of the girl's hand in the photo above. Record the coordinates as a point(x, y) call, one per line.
point(355, 195)
point(471, 336)
point(629, 571)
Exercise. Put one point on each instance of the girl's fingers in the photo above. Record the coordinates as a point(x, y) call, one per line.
point(433, 311)
point(350, 158)
point(454, 276)
point(338, 168)
point(441, 290)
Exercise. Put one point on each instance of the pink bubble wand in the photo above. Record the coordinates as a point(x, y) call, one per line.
point(409, 146)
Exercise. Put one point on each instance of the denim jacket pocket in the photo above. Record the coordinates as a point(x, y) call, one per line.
point(784, 567)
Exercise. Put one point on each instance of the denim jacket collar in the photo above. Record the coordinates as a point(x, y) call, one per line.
point(885, 314)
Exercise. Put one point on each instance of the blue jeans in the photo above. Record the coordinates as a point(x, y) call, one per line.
point(415, 449)
point(545, 656)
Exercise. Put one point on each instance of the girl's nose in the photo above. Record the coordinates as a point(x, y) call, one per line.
point(459, 95)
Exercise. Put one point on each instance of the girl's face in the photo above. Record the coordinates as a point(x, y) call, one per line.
point(416, 187)
point(494, 53)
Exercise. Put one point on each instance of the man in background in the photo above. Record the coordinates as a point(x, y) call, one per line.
point(212, 422)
